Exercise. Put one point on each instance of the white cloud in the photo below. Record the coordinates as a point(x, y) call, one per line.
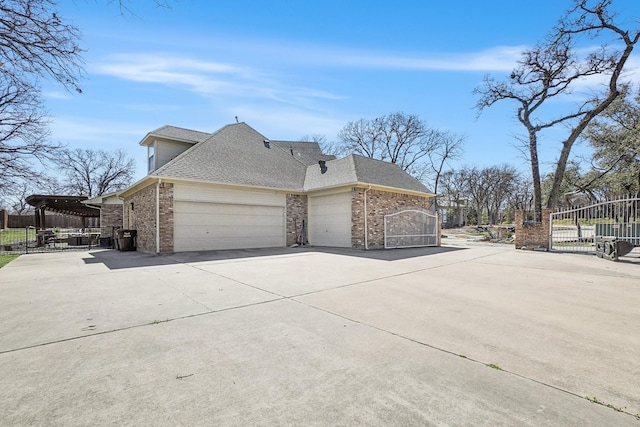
point(287, 123)
point(206, 78)
point(53, 94)
point(109, 134)
point(497, 58)
point(501, 58)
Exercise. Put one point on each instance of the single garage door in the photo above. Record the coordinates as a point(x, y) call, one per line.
point(207, 218)
point(330, 220)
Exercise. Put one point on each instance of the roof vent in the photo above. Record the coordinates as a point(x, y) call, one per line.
point(323, 166)
point(266, 143)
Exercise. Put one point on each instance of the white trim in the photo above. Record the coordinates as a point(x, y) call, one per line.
point(158, 216)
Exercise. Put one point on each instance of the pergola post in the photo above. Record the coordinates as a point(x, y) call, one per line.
point(43, 221)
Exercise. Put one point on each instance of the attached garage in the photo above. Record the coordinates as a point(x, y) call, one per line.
point(235, 189)
point(209, 218)
point(330, 220)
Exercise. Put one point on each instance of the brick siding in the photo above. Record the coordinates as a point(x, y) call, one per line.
point(166, 217)
point(141, 216)
point(297, 211)
point(110, 218)
point(379, 204)
point(532, 235)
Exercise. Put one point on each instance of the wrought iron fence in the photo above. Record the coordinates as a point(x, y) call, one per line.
point(575, 229)
point(410, 228)
point(31, 240)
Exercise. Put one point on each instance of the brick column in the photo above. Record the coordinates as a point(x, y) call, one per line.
point(532, 235)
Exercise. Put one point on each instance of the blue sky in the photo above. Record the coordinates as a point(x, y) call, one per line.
point(291, 68)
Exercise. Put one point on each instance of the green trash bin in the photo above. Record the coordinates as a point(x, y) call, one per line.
point(127, 240)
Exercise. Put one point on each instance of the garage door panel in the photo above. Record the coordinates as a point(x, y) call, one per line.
point(216, 226)
point(221, 195)
point(330, 220)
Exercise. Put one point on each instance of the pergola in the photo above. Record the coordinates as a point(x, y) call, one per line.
point(68, 205)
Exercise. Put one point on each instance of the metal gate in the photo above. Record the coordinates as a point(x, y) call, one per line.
point(576, 229)
point(410, 228)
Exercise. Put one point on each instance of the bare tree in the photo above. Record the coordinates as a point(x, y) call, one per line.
point(326, 147)
point(501, 181)
point(35, 43)
point(402, 139)
point(477, 190)
point(449, 148)
point(94, 173)
point(522, 196)
point(488, 190)
point(16, 202)
point(551, 70)
point(454, 191)
point(126, 9)
point(23, 132)
point(615, 138)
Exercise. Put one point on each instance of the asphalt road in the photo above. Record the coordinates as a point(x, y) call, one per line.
point(481, 335)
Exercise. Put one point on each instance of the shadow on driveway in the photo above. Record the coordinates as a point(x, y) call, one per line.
point(114, 259)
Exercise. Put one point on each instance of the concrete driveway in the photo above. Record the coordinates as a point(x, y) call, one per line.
point(483, 335)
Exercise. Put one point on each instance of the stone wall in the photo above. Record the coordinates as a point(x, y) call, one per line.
point(530, 235)
point(379, 204)
point(110, 218)
point(140, 209)
point(297, 211)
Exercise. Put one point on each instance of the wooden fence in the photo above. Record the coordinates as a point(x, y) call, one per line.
point(53, 220)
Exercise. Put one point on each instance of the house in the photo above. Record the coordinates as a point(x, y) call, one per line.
point(110, 208)
point(236, 189)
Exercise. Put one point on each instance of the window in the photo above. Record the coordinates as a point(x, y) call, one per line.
point(151, 151)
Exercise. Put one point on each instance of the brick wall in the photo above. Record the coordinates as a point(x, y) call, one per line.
point(166, 217)
point(297, 211)
point(141, 216)
point(532, 235)
point(379, 204)
point(110, 218)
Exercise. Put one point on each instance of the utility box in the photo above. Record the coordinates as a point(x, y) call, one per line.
point(127, 240)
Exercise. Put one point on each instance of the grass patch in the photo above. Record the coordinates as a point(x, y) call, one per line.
point(493, 366)
point(6, 259)
point(13, 235)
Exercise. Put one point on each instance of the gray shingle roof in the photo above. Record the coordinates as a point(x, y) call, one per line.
point(307, 152)
point(237, 154)
point(363, 170)
point(180, 134)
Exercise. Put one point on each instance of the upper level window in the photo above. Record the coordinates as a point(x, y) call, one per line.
point(151, 151)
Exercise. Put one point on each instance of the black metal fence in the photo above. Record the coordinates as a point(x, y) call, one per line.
point(30, 240)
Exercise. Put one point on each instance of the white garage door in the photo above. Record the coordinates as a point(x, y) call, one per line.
point(225, 223)
point(330, 220)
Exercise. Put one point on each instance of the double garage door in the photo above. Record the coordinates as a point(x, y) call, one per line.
point(215, 219)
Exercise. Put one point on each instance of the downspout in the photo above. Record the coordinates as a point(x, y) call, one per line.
point(366, 242)
point(158, 216)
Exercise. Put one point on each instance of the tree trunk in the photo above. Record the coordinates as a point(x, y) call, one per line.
point(535, 173)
